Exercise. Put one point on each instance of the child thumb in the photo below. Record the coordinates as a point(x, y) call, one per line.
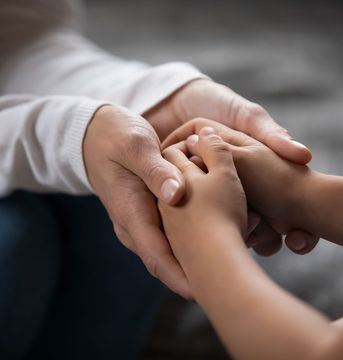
point(214, 151)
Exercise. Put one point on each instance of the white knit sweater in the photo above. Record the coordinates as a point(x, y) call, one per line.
point(52, 80)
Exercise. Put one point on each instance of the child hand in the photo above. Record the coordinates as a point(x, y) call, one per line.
point(271, 183)
point(212, 196)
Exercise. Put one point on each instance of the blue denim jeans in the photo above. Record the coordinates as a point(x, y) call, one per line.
point(68, 288)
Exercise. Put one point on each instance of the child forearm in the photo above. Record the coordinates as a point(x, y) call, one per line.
point(254, 317)
point(321, 211)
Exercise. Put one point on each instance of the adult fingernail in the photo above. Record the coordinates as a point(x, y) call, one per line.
point(192, 140)
point(299, 144)
point(169, 189)
point(207, 131)
point(299, 244)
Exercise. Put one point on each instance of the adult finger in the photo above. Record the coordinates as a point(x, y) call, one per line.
point(194, 126)
point(300, 241)
point(115, 135)
point(123, 236)
point(198, 162)
point(123, 159)
point(141, 154)
point(159, 259)
point(217, 102)
point(267, 241)
point(176, 155)
point(253, 221)
point(255, 121)
point(139, 228)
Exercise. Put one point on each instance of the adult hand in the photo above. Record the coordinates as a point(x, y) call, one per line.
point(267, 180)
point(207, 99)
point(126, 169)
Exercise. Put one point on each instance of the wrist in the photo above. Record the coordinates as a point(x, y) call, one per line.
point(303, 196)
point(207, 240)
point(220, 248)
point(276, 188)
point(321, 206)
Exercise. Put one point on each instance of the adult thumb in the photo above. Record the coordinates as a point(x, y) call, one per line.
point(162, 178)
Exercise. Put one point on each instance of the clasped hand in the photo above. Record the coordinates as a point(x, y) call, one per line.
point(271, 183)
point(123, 160)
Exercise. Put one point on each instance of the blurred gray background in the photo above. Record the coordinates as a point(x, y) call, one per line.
point(286, 55)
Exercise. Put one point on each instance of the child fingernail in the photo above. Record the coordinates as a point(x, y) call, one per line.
point(192, 140)
point(207, 131)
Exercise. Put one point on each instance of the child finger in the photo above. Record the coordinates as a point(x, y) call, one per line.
point(198, 162)
point(211, 148)
point(266, 240)
point(194, 127)
point(176, 155)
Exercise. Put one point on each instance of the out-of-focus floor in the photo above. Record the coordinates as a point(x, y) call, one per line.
point(286, 55)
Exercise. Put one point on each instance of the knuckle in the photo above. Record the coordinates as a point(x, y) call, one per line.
point(123, 236)
point(186, 166)
point(198, 123)
point(151, 265)
point(114, 215)
point(255, 111)
point(153, 171)
point(110, 208)
point(218, 145)
point(213, 138)
point(277, 131)
point(250, 116)
point(230, 175)
point(280, 130)
point(119, 231)
point(136, 141)
point(121, 218)
point(227, 173)
point(127, 218)
point(250, 113)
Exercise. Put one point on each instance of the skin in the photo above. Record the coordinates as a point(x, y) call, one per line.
point(253, 316)
point(271, 196)
point(122, 155)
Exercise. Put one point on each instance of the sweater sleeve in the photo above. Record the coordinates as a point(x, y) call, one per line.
point(63, 62)
point(41, 143)
point(46, 56)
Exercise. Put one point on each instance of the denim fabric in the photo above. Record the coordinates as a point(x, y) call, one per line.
point(68, 288)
